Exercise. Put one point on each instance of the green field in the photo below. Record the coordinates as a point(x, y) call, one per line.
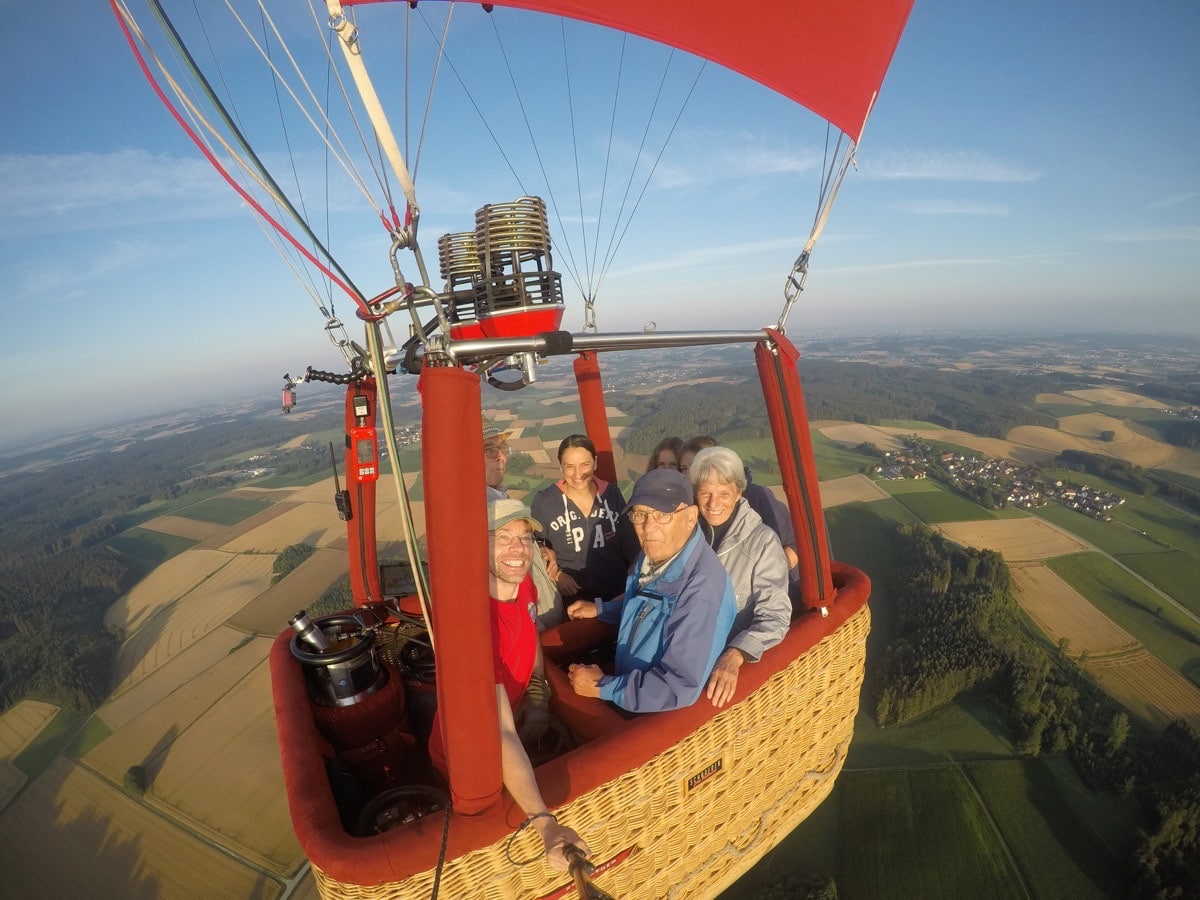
point(1133, 605)
point(835, 461)
point(1186, 481)
point(1056, 850)
point(223, 510)
point(1177, 573)
point(932, 503)
point(919, 833)
point(50, 742)
point(967, 729)
point(149, 548)
point(1112, 538)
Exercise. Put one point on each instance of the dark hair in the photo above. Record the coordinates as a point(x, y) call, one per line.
point(576, 440)
point(674, 444)
point(698, 443)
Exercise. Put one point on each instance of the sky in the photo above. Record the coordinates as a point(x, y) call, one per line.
point(1028, 166)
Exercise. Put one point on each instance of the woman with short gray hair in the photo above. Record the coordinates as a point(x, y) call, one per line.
point(752, 555)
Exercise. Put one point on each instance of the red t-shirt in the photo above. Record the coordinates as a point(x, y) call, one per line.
point(514, 651)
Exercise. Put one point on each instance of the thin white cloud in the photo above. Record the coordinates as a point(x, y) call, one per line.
point(1150, 235)
point(951, 208)
point(1172, 200)
point(947, 165)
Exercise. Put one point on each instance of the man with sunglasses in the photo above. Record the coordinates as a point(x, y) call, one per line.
point(677, 610)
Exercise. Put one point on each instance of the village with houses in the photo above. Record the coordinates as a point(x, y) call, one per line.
point(995, 483)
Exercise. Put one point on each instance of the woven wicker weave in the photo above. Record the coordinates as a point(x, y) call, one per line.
point(779, 750)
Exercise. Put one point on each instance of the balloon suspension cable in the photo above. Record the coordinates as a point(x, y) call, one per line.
point(384, 405)
point(794, 285)
point(404, 236)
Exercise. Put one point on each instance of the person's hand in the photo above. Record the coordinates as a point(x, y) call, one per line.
point(583, 609)
point(723, 680)
point(555, 838)
point(585, 680)
point(550, 558)
point(567, 585)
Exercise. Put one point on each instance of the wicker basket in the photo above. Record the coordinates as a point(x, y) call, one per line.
point(694, 818)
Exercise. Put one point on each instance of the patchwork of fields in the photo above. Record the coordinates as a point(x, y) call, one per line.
point(191, 701)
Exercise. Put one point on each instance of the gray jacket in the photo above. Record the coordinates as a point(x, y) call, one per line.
point(753, 556)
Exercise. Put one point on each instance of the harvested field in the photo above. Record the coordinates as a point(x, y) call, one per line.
point(294, 443)
point(1111, 397)
point(852, 434)
point(851, 489)
point(12, 780)
point(316, 524)
point(190, 662)
point(269, 612)
point(1061, 612)
point(193, 616)
point(178, 525)
point(22, 724)
point(1016, 540)
point(162, 587)
point(146, 738)
point(1148, 687)
point(1060, 400)
point(560, 420)
point(222, 776)
point(233, 531)
point(72, 834)
point(1130, 443)
point(18, 727)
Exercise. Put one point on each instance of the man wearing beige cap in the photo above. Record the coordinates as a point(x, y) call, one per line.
point(545, 566)
point(517, 659)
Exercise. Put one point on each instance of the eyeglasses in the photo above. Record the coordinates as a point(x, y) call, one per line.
point(642, 516)
point(504, 539)
point(498, 451)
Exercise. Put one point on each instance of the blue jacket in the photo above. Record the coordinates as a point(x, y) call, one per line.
point(671, 631)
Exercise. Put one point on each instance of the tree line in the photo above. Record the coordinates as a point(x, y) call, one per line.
point(984, 402)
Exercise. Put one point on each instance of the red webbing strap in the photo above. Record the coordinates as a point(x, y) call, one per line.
point(456, 534)
point(595, 418)
point(360, 527)
point(793, 447)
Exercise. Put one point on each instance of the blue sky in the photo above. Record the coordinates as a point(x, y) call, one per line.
point(1028, 166)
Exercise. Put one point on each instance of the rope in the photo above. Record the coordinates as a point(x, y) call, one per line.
point(129, 28)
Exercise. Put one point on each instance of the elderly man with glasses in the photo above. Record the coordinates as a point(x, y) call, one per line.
point(677, 610)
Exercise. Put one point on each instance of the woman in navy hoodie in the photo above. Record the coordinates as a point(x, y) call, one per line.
point(580, 513)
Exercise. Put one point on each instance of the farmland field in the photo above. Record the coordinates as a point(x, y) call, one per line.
point(1015, 539)
point(1132, 604)
point(1176, 573)
point(1148, 688)
point(850, 489)
point(72, 834)
point(148, 548)
point(1056, 851)
point(223, 510)
point(1064, 614)
point(18, 728)
point(919, 833)
point(1112, 539)
point(933, 504)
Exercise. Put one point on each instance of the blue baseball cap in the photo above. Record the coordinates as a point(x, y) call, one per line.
point(661, 489)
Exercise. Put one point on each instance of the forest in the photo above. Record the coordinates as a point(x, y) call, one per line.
point(985, 402)
point(959, 630)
